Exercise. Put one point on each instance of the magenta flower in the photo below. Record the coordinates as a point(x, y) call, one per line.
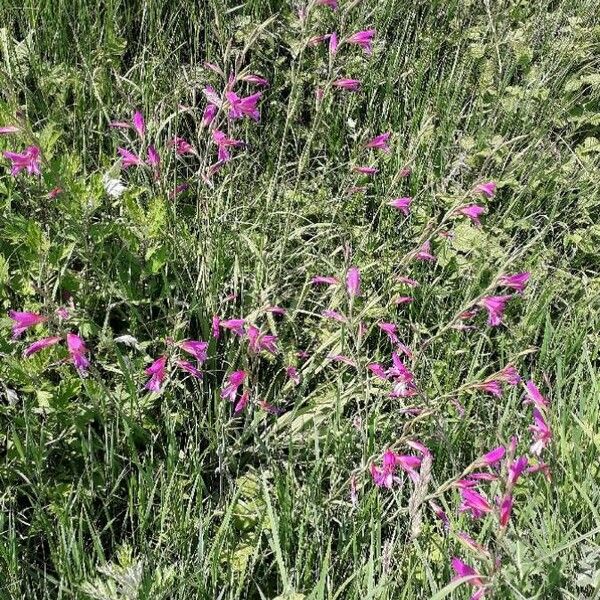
point(216, 323)
point(209, 114)
point(223, 142)
point(463, 570)
point(8, 129)
point(243, 107)
point(138, 123)
point(181, 146)
point(336, 316)
point(364, 39)
point(317, 39)
point(403, 300)
point(510, 375)
point(77, 350)
point(353, 282)
point(233, 383)
point(237, 326)
point(242, 402)
point(472, 544)
point(258, 341)
point(197, 348)
point(491, 457)
point(384, 476)
point(129, 159)
point(495, 305)
point(331, 3)
point(270, 408)
point(29, 160)
point(516, 469)
point(535, 396)
point(407, 281)
point(542, 435)
point(365, 170)
point(487, 189)
point(40, 345)
point(377, 370)
point(119, 125)
point(424, 253)
point(319, 279)
point(23, 321)
point(505, 509)
point(292, 373)
point(390, 330)
point(153, 157)
point(517, 282)
point(473, 212)
point(333, 43)
point(379, 142)
point(351, 85)
point(256, 80)
point(439, 513)
point(157, 374)
point(491, 387)
point(62, 313)
point(187, 366)
point(473, 502)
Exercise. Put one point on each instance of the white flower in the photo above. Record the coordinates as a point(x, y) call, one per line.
point(114, 187)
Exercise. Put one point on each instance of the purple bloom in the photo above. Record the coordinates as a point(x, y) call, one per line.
point(491, 387)
point(181, 146)
point(216, 323)
point(424, 253)
point(440, 514)
point(535, 396)
point(351, 85)
point(473, 212)
point(40, 345)
point(77, 350)
point(487, 189)
point(364, 39)
point(209, 114)
point(464, 570)
point(336, 316)
point(189, 368)
point(407, 281)
point(510, 375)
point(129, 159)
point(378, 371)
point(8, 129)
point(379, 142)
point(293, 374)
point(491, 457)
point(517, 282)
point(197, 348)
point(319, 279)
point(153, 157)
point(390, 329)
point(353, 282)
point(495, 305)
point(223, 142)
point(505, 509)
point(157, 374)
point(233, 383)
point(516, 469)
point(258, 341)
point(138, 123)
point(276, 310)
point(402, 204)
point(542, 435)
point(333, 43)
point(256, 80)
point(23, 321)
point(243, 107)
point(474, 502)
point(242, 402)
point(331, 3)
point(365, 170)
point(30, 160)
point(237, 326)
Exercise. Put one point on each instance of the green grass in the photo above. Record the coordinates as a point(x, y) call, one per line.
point(107, 491)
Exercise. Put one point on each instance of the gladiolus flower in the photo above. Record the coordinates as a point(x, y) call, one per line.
point(62, 313)
point(495, 305)
point(473, 212)
point(157, 374)
point(353, 282)
point(487, 189)
point(233, 383)
point(378, 370)
point(364, 39)
point(276, 310)
point(474, 503)
point(491, 387)
point(535, 396)
point(242, 402)
point(403, 300)
point(237, 326)
point(407, 281)
point(223, 142)
point(333, 43)
point(510, 375)
point(379, 142)
point(138, 123)
point(243, 107)
point(319, 279)
point(187, 366)
point(333, 314)
point(543, 467)
point(472, 544)
point(256, 80)
point(209, 114)
point(77, 350)
point(365, 170)
point(181, 146)
point(129, 159)
point(542, 435)
point(517, 282)
point(274, 410)
point(424, 253)
point(505, 510)
point(516, 469)
point(30, 160)
point(463, 570)
point(216, 323)
point(119, 125)
point(390, 330)
point(23, 321)
point(491, 457)
point(293, 374)
point(331, 3)
point(197, 348)
point(402, 204)
point(40, 345)
point(153, 157)
point(260, 341)
point(8, 129)
point(351, 85)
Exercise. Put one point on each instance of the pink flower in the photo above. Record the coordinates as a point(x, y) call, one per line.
point(197, 348)
point(242, 402)
point(543, 467)
point(216, 323)
point(40, 345)
point(77, 350)
point(365, 170)
point(23, 321)
point(390, 330)
point(491, 457)
point(510, 375)
point(119, 125)
point(487, 189)
point(30, 160)
point(351, 85)
point(331, 3)
point(129, 159)
point(258, 341)
point(472, 544)
point(535, 396)
point(158, 373)
point(516, 469)
point(505, 509)
point(495, 305)
point(223, 142)
point(8, 129)
point(463, 570)
point(379, 142)
point(542, 435)
point(517, 282)
point(407, 281)
point(353, 282)
point(237, 326)
point(181, 146)
point(182, 187)
point(55, 192)
point(293, 374)
point(333, 314)
point(377, 370)
point(402, 204)
point(270, 408)
point(209, 114)
point(364, 39)
point(317, 39)
point(491, 387)
point(319, 279)
point(424, 253)
point(62, 313)
point(473, 212)
point(474, 503)
point(211, 94)
point(243, 107)
point(256, 80)
point(383, 476)
point(333, 43)
point(138, 123)
point(153, 157)
point(187, 366)
point(403, 300)
point(233, 383)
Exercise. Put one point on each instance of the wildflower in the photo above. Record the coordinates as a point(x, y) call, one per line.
point(440, 514)
point(223, 142)
point(482, 476)
point(495, 305)
point(407, 281)
point(379, 142)
point(353, 282)
point(181, 146)
point(40, 345)
point(403, 300)
point(517, 282)
point(491, 387)
point(77, 350)
point(129, 159)
point(303, 354)
point(535, 396)
point(62, 313)
point(153, 157)
point(473, 502)
point(292, 373)
point(119, 125)
point(542, 435)
point(319, 279)
point(402, 204)
point(331, 3)
point(516, 468)
point(260, 341)
point(237, 326)
point(157, 374)
point(473, 212)
point(242, 402)
point(487, 189)
point(353, 491)
point(384, 476)
point(256, 80)
point(351, 85)
point(211, 94)
point(243, 107)
point(404, 172)
point(365, 170)
point(364, 39)
point(333, 43)
point(187, 366)
point(8, 129)
point(472, 544)
point(209, 114)
point(317, 39)
point(543, 467)
point(182, 187)
point(491, 457)
point(377, 370)
point(55, 192)
point(138, 123)
point(23, 321)
point(274, 410)
point(30, 160)
point(233, 383)
point(424, 253)
point(505, 509)
point(390, 330)
point(216, 323)
point(114, 187)
point(333, 314)
point(197, 348)
point(463, 570)
point(510, 375)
